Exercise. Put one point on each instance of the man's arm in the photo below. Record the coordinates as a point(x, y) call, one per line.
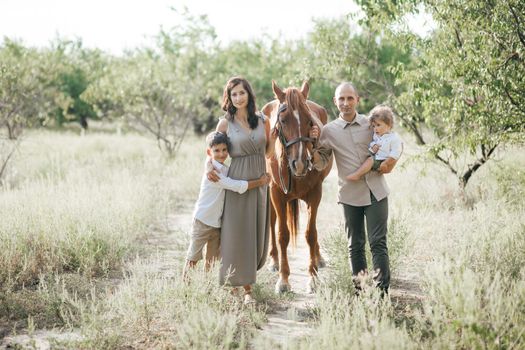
point(395, 152)
point(387, 165)
point(321, 157)
point(321, 154)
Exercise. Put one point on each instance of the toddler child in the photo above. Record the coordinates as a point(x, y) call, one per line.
point(385, 143)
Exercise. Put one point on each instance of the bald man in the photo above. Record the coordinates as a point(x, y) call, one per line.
point(348, 138)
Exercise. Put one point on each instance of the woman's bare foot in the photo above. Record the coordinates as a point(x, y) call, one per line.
point(248, 299)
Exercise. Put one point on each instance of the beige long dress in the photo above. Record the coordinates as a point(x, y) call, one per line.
point(246, 217)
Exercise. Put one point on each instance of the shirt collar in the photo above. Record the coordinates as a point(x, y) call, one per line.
point(359, 119)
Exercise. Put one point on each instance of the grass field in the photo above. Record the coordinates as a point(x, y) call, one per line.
point(76, 213)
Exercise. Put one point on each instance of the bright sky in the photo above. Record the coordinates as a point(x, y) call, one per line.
point(114, 25)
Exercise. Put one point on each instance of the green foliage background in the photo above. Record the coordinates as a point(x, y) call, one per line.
point(460, 90)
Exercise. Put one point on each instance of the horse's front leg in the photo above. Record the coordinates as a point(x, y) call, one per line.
point(284, 269)
point(316, 260)
point(279, 203)
point(273, 264)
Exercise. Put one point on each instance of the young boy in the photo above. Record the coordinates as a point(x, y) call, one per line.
point(209, 205)
point(385, 143)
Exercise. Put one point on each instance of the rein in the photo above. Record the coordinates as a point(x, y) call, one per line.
point(286, 144)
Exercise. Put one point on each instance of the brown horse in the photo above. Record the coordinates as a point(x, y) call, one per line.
point(293, 177)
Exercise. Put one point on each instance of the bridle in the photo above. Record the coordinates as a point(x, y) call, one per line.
point(285, 143)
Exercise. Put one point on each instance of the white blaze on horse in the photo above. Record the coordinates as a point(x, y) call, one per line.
point(294, 178)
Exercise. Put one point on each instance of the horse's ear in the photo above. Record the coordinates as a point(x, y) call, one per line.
point(279, 94)
point(305, 89)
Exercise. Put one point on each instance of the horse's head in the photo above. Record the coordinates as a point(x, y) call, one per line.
point(294, 121)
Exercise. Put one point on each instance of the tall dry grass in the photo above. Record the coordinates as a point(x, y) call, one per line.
point(466, 250)
point(82, 217)
point(74, 208)
point(78, 205)
point(150, 310)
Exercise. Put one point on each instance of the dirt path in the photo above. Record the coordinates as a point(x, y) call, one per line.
point(285, 322)
point(290, 320)
point(161, 241)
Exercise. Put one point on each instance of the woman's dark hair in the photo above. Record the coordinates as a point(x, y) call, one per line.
point(227, 104)
point(216, 138)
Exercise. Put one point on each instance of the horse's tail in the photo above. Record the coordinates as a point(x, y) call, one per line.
point(292, 219)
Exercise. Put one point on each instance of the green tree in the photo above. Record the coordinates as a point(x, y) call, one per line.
point(74, 69)
point(189, 49)
point(469, 82)
point(162, 90)
point(460, 91)
point(346, 51)
point(265, 59)
point(141, 90)
point(260, 61)
point(24, 96)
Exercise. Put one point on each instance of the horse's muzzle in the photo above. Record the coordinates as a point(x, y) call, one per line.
point(299, 168)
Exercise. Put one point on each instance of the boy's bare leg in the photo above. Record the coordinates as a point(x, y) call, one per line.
point(363, 169)
point(189, 265)
point(210, 262)
point(212, 251)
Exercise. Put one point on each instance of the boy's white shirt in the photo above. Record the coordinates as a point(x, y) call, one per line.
point(390, 146)
point(209, 205)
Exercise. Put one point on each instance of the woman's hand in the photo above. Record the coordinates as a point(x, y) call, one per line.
point(265, 179)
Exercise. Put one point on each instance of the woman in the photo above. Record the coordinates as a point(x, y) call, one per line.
point(245, 220)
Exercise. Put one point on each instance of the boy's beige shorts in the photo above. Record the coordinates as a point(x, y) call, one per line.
point(202, 234)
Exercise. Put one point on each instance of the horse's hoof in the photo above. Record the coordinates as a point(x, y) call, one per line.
point(321, 263)
point(282, 287)
point(313, 284)
point(273, 267)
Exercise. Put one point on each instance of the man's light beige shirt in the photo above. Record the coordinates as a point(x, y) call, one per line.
point(349, 143)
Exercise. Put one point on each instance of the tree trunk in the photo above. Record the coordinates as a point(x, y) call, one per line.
point(486, 153)
point(3, 166)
